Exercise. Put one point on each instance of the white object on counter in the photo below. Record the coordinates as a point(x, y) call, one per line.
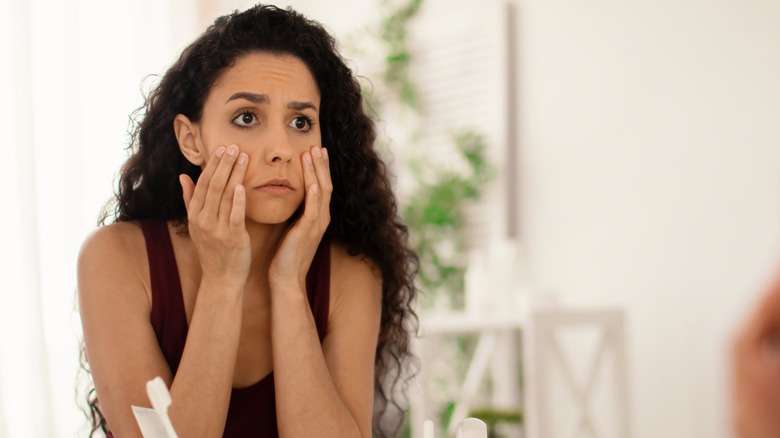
point(149, 422)
point(471, 428)
point(155, 423)
point(428, 429)
point(161, 399)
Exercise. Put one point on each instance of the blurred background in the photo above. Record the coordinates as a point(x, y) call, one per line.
point(595, 157)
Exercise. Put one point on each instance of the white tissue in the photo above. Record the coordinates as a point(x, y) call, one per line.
point(150, 422)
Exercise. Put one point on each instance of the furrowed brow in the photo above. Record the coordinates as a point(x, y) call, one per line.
point(252, 97)
point(298, 106)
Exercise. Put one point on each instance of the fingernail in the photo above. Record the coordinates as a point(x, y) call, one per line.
point(307, 157)
point(325, 153)
point(232, 150)
point(317, 152)
point(220, 151)
point(242, 158)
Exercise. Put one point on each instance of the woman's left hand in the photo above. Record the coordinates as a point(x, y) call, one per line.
point(295, 253)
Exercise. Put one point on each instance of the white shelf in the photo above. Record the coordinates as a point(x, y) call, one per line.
point(454, 323)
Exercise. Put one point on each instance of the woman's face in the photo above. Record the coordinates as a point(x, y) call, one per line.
point(267, 105)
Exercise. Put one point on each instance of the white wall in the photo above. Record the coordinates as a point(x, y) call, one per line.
point(650, 177)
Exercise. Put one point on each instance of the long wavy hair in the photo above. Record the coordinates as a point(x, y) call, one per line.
point(364, 216)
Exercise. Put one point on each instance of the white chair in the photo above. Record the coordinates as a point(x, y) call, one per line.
point(557, 402)
point(492, 358)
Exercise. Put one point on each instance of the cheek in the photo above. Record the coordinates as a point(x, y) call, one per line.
point(305, 143)
point(212, 137)
point(207, 148)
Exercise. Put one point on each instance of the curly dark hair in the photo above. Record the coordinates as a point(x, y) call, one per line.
point(364, 212)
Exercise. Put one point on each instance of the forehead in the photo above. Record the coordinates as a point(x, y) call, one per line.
point(265, 73)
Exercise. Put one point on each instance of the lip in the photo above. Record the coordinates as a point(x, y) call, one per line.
point(276, 186)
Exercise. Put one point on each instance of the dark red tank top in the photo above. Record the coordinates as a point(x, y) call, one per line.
point(252, 410)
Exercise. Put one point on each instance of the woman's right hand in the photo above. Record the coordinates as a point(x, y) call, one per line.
point(216, 208)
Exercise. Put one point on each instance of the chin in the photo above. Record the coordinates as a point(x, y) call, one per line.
point(269, 219)
point(265, 220)
point(273, 216)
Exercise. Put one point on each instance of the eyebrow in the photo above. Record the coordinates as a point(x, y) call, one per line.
point(252, 97)
point(263, 98)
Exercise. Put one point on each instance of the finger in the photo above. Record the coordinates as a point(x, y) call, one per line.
point(322, 169)
point(309, 174)
point(311, 201)
point(311, 206)
point(238, 210)
point(218, 182)
point(236, 178)
point(199, 194)
point(187, 189)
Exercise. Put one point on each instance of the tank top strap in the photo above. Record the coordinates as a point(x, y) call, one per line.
point(318, 286)
point(168, 317)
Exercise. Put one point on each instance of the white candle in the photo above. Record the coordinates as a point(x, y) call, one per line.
point(471, 428)
point(428, 429)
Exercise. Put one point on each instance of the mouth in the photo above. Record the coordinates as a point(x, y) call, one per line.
point(276, 186)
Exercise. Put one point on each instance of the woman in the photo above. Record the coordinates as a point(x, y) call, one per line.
point(256, 262)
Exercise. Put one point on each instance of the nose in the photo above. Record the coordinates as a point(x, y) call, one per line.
point(278, 149)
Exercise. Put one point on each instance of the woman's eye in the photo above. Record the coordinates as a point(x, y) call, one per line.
point(301, 123)
point(245, 119)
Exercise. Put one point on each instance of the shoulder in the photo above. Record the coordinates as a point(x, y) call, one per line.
point(117, 233)
point(117, 241)
point(346, 268)
point(353, 278)
point(111, 255)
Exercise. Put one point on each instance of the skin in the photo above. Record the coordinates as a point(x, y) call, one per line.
point(242, 272)
point(756, 371)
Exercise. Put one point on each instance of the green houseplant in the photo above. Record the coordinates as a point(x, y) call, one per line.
point(435, 208)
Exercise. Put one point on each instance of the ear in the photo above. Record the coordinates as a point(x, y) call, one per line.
point(187, 134)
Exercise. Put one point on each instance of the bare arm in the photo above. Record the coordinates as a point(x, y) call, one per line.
point(122, 346)
point(322, 390)
point(115, 308)
point(328, 390)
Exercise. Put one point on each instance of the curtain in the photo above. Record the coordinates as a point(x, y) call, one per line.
point(71, 72)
